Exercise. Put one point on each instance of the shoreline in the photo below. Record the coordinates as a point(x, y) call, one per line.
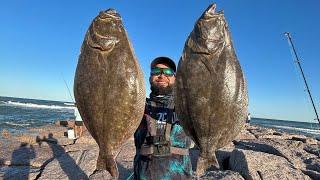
point(294, 127)
point(46, 153)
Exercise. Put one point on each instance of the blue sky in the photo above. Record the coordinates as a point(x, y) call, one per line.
point(40, 44)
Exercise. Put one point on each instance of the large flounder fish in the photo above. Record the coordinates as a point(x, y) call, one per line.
point(211, 93)
point(109, 87)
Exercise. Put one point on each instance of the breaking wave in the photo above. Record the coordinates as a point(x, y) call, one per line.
point(17, 124)
point(313, 131)
point(38, 106)
point(69, 104)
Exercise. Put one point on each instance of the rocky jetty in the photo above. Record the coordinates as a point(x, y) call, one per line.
point(257, 153)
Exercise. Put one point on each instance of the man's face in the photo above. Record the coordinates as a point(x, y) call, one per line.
point(162, 81)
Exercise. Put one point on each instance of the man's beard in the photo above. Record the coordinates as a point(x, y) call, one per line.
point(156, 90)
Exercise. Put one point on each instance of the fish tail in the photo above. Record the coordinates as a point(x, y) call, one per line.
point(108, 163)
point(204, 164)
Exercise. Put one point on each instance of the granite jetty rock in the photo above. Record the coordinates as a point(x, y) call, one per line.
point(256, 153)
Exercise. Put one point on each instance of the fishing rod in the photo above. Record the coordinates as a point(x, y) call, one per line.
point(287, 34)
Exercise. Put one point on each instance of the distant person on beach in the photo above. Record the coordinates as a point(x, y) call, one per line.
point(162, 147)
point(78, 124)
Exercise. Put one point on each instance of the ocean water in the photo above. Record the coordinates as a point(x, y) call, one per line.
point(311, 129)
point(19, 114)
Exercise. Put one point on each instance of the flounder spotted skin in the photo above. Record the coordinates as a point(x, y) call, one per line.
point(109, 87)
point(211, 93)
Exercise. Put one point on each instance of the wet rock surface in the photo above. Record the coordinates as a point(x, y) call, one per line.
point(257, 153)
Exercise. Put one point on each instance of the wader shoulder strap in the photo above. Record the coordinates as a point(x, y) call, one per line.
point(152, 107)
point(168, 131)
point(151, 124)
point(171, 104)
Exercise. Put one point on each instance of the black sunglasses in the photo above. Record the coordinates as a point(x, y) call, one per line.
point(166, 71)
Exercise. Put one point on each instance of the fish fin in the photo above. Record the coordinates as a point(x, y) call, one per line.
point(205, 164)
point(109, 164)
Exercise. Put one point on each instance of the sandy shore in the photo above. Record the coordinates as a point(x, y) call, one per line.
point(257, 153)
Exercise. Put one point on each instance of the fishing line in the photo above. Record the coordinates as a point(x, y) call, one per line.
point(67, 87)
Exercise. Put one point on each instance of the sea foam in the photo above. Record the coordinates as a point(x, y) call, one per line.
point(39, 106)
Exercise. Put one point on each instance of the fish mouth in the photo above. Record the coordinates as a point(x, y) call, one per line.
point(106, 43)
point(109, 14)
point(103, 43)
point(212, 27)
point(210, 12)
point(211, 9)
point(101, 35)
